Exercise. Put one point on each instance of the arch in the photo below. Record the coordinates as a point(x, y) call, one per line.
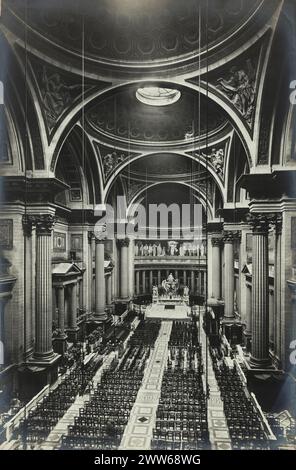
point(201, 196)
point(149, 154)
point(71, 118)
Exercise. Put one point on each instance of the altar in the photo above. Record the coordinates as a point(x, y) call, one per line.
point(168, 312)
point(169, 301)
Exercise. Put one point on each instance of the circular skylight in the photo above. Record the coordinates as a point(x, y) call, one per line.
point(157, 96)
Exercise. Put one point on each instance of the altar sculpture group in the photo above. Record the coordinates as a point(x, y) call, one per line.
point(170, 287)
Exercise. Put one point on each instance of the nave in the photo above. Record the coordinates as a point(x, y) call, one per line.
point(166, 388)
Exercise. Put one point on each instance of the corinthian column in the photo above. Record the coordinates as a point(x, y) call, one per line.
point(229, 275)
point(28, 222)
point(100, 292)
point(216, 273)
point(109, 289)
point(43, 344)
point(260, 313)
point(124, 265)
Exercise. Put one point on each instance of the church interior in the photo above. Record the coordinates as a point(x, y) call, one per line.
point(149, 338)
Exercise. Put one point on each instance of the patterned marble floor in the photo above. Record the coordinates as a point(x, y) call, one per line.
point(218, 429)
point(138, 432)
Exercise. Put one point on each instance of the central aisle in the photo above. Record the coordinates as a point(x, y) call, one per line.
point(218, 429)
point(138, 432)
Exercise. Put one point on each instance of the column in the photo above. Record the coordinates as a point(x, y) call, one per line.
point(109, 289)
point(248, 318)
point(43, 344)
point(92, 284)
point(260, 307)
point(124, 274)
point(185, 278)
point(229, 275)
point(29, 330)
point(131, 269)
point(271, 319)
point(137, 282)
point(89, 273)
point(216, 268)
point(73, 311)
point(61, 309)
point(100, 293)
point(159, 277)
point(192, 282)
point(150, 280)
point(277, 288)
point(143, 282)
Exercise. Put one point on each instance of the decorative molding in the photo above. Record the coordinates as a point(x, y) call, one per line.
point(6, 234)
point(163, 32)
point(111, 159)
point(59, 241)
point(76, 242)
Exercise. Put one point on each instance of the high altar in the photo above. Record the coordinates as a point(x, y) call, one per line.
point(167, 302)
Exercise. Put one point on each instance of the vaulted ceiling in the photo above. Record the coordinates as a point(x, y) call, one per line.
point(85, 60)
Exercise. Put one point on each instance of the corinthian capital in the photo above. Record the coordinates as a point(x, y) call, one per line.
point(216, 241)
point(260, 223)
point(44, 223)
point(230, 236)
point(123, 242)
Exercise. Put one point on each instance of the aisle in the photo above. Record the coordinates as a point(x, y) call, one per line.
point(218, 429)
point(138, 432)
point(54, 438)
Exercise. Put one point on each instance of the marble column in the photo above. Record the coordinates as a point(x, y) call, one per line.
point(109, 289)
point(260, 304)
point(100, 292)
point(124, 268)
point(150, 280)
point(159, 277)
point(43, 343)
point(216, 268)
point(143, 281)
point(73, 312)
point(271, 319)
point(184, 278)
point(229, 275)
point(29, 308)
point(89, 273)
point(92, 278)
point(131, 268)
point(278, 320)
point(61, 309)
point(248, 318)
point(137, 282)
point(72, 330)
point(192, 282)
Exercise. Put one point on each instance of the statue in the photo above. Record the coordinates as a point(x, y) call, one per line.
point(56, 95)
point(155, 291)
point(170, 284)
point(240, 88)
point(186, 291)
